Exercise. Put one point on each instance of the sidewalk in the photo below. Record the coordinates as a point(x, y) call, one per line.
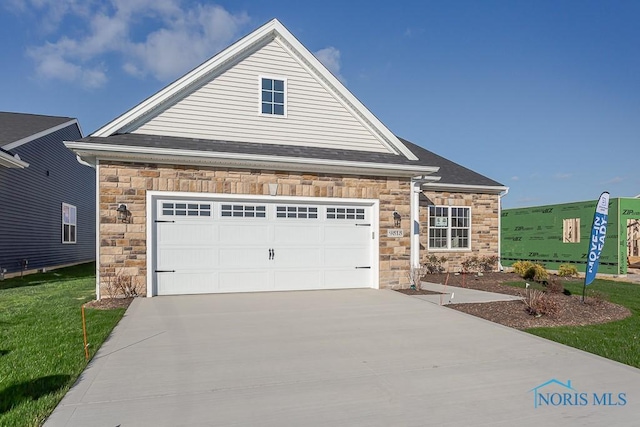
point(457, 295)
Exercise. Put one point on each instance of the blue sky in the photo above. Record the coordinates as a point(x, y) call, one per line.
point(542, 96)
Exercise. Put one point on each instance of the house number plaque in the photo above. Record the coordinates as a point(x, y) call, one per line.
point(396, 232)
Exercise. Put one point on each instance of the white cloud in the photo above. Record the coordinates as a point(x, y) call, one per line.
point(515, 178)
point(161, 38)
point(330, 58)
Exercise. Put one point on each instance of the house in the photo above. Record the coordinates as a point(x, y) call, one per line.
point(47, 218)
point(559, 234)
point(260, 171)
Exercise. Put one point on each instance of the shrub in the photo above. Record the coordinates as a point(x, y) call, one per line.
point(567, 270)
point(554, 286)
point(538, 303)
point(530, 271)
point(521, 267)
point(434, 265)
point(488, 263)
point(476, 264)
point(120, 285)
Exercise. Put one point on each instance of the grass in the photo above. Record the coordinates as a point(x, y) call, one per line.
point(619, 340)
point(41, 343)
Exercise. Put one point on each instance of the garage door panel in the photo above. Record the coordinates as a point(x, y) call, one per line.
point(185, 283)
point(297, 257)
point(194, 233)
point(244, 281)
point(181, 257)
point(346, 233)
point(291, 234)
point(244, 233)
point(243, 257)
point(355, 256)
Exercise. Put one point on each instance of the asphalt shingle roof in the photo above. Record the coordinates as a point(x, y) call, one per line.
point(450, 172)
point(16, 126)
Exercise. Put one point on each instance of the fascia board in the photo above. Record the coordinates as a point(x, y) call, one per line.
point(238, 160)
point(337, 86)
point(9, 161)
point(464, 188)
point(35, 136)
point(185, 81)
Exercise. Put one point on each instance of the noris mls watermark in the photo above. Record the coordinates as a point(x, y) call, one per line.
point(556, 393)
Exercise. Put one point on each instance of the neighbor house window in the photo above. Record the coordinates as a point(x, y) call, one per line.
point(68, 223)
point(571, 230)
point(272, 96)
point(449, 227)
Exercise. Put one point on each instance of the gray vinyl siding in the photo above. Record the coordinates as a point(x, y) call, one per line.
point(31, 212)
point(228, 108)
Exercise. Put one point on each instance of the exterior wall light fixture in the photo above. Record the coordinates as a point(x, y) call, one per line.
point(397, 219)
point(124, 215)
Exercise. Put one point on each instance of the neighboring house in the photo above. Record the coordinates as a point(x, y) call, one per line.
point(260, 171)
point(48, 198)
point(560, 234)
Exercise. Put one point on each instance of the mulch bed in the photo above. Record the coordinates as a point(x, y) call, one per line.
point(570, 310)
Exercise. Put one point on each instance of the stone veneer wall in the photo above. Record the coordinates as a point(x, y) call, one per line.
point(484, 226)
point(123, 245)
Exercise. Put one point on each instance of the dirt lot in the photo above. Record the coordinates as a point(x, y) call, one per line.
point(570, 311)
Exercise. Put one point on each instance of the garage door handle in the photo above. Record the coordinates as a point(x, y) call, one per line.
point(357, 268)
point(165, 271)
point(270, 254)
point(162, 220)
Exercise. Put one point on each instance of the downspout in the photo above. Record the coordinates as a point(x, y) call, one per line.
point(500, 196)
point(97, 168)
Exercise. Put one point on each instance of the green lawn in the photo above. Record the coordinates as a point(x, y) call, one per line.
point(616, 340)
point(41, 345)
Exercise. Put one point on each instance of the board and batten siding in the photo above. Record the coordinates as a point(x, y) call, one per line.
point(227, 108)
point(31, 212)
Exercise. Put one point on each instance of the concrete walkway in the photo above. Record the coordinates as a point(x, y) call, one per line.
point(340, 358)
point(458, 295)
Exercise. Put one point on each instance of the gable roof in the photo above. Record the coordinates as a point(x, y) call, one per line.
point(9, 160)
point(19, 128)
point(206, 71)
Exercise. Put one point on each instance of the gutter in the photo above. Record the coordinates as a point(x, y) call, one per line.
point(506, 191)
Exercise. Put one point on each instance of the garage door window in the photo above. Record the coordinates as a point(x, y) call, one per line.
point(345, 213)
point(186, 209)
point(304, 212)
point(243, 211)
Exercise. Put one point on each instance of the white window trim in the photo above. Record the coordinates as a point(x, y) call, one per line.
point(69, 223)
point(449, 248)
point(286, 96)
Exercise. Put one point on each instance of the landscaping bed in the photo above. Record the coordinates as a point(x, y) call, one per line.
point(569, 309)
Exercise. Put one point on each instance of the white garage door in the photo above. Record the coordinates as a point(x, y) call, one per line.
point(213, 246)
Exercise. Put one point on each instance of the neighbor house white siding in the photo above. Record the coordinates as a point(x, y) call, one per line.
point(227, 108)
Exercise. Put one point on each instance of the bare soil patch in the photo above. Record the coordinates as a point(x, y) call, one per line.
point(109, 303)
point(570, 310)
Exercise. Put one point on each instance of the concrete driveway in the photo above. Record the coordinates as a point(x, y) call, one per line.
point(338, 358)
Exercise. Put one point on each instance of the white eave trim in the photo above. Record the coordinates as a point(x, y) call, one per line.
point(91, 151)
point(272, 29)
point(9, 161)
point(464, 188)
point(45, 132)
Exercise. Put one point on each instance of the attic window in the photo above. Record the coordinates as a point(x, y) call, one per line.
point(272, 96)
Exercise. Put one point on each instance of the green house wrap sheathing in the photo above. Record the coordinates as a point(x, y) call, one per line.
point(546, 234)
